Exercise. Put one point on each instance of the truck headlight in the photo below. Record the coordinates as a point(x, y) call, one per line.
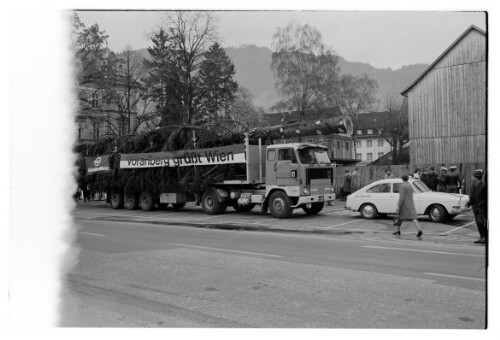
point(305, 191)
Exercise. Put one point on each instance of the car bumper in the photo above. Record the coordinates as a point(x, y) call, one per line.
point(314, 199)
point(456, 211)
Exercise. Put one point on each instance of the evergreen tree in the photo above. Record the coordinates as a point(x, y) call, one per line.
point(218, 86)
point(164, 80)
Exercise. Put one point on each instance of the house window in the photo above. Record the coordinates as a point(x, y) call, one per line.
point(359, 132)
point(369, 156)
point(79, 131)
point(380, 142)
point(358, 156)
point(358, 143)
point(338, 145)
point(369, 131)
point(369, 143)
point(380, 154)
point(380, 131)
point(347, 145)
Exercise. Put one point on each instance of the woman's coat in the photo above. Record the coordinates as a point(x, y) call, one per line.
point(405, 204)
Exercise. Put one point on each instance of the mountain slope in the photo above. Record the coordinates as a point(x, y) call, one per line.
point(253, 71)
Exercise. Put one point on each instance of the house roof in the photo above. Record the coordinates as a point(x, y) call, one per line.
point(472, 27)
point(372, 120)
point(280, 118)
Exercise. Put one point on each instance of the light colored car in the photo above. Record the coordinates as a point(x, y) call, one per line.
point(381, 198)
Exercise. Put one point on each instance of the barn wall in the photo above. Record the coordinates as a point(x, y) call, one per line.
point(447, 107)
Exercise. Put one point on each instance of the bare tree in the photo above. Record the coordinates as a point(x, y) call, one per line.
point(305, 70)
point(395, 124)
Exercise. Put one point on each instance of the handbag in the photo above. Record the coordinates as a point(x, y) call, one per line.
point(397, 221)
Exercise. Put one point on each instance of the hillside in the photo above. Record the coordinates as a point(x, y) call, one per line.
point(253, 71)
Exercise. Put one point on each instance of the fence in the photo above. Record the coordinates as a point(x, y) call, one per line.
point(369, 174)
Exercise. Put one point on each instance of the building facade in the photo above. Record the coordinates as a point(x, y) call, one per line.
point(447, 104)
point(370, 143)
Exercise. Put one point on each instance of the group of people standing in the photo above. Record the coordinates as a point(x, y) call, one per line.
point(451, 182)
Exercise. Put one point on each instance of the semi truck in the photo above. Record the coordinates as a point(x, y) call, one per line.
point(277, 177)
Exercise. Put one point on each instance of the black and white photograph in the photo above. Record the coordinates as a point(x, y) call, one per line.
point(253, 168)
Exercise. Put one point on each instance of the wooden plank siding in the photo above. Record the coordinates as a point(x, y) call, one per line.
point(447, 106)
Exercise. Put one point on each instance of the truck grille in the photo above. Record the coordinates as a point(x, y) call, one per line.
point(319, 173)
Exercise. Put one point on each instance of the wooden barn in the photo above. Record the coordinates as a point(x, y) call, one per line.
point(447, 105)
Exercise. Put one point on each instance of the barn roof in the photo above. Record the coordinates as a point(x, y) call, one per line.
point(472, 27)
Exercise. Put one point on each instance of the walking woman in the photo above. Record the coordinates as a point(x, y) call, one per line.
point(406, 206)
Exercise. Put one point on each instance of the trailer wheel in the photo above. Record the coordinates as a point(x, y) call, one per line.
point(177, 206)
point(146, 201)
point(210, 203)
point(243, 208)
point(313, 208)
point(117, 200)
point(280, 205)
point(131, 202)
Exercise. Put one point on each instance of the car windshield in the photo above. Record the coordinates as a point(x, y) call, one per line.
point(420, 186)
point(312, 155)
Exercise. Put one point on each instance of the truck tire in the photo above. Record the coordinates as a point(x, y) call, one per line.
point(177, 206)
point(210, 203)
point(117, 200)
point(314, 208)
point(243, 208)
point(131, 202)
point(146, 201)
point(280, 205)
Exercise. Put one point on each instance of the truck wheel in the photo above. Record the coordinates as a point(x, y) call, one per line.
point(243, 208)
point(210, 203)
point(131, 202)
point(117, 200)
point(313, 208)
point(177, 206)
point(146, 201)
point(280, 205)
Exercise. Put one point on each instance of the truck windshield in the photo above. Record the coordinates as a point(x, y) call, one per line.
point(313, 155)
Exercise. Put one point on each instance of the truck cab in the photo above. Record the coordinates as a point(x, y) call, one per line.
point(301, 171)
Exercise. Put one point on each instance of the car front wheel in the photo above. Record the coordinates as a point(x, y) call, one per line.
point(437, 213)
point(368, 211)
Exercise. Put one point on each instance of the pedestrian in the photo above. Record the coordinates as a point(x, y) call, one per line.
point(406, 207)
point(416, 173)
point(441, 180)
point(346, 189)
point(478, 201)
point(425, 177)
point(356, 180)
point(86, 193)
point(432, 179)
point(453, 181)
point(388, 174)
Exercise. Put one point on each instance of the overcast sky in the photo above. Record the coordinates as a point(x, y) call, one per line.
point(382, 39)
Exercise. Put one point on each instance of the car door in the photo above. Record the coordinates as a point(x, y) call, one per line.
point(380, 195)
point(394, 197)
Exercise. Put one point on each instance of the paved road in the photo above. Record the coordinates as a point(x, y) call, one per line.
point(333, 220)
point(171, 275)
